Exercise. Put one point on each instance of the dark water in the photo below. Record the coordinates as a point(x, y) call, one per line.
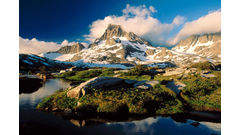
point(151, 125)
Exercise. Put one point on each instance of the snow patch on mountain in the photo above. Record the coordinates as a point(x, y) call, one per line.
point(57, 56)
point(116, 46)
point(193, 47)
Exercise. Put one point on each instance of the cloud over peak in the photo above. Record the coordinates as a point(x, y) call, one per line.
point(138, 20)
point(209, 23)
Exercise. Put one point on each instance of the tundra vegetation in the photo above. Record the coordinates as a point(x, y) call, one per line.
point(200, 93)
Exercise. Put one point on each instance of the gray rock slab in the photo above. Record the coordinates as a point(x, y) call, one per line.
point(175, 86)
point(130, 81)
point(106, 83)
point(208, 75)
point(120, 71)
point(139, 83)
point(96, 82)
point(117, 75)
point(148, 85)
point(172, 73)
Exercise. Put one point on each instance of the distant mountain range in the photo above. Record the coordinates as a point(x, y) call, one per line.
point(117, 46)
point(207, 45)
point(71, 49)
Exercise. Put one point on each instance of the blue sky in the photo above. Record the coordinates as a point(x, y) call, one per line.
point(56, 21)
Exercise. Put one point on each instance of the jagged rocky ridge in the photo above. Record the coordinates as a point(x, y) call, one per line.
point(206, 45)
point(64, 53)
point(34, 61)
point(71, 49)
point(117, 46)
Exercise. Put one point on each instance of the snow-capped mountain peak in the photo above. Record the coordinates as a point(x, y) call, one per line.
point(207, 45)
point(117, 46)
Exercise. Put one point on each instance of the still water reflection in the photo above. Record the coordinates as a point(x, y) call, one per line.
point(152, 125)
point(30, 101)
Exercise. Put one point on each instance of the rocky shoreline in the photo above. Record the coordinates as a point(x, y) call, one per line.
point(126, 95)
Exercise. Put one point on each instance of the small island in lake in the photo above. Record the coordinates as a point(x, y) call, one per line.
point(141, 90)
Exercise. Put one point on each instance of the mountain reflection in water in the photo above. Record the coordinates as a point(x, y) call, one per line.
point(167, 125)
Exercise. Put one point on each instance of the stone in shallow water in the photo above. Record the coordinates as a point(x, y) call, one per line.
point(195, 124)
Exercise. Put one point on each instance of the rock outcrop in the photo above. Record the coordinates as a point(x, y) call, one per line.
point(71, 49)
point(148, 85)
point(205, 45)
point(117, 46)
point(113, 30)
point(97, 83)
point(117, 31)
point(106, 82)
point(110, 42)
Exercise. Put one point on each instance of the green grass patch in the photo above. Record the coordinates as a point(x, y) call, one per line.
point(108, 72)
point(59, 99)
point(67, 74)
point(87, 74)
point(135, 101)
point(203, 65)
point(138, 78)
point(137, 71)
point(203, 93)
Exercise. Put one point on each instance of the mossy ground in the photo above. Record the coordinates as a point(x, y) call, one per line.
point(200, 93)
point(87, 74)
point(58, 100)
point(203, 93)
point(158, 100)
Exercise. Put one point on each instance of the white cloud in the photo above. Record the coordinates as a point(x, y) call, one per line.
point(152, 9)
point(140, 11)
point(65, 42)
point(84, 44)
point(35, 46)
point(206, 24)
point(138, 20)
point(178, 20)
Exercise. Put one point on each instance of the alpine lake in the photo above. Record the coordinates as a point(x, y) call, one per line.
point(180, 124)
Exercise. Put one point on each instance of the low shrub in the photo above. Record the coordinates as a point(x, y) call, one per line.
point(136, 101)
point(88, 73)
point(203, 93)
point(108, 72)
point(59, 99)
point(47, 103)
point(199, 87)
point(67, 74)
point(138, 78)
point(203, 65)
point(84, 75)
point(137, 70)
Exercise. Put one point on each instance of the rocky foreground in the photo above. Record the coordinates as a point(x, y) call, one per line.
point(141, 90)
